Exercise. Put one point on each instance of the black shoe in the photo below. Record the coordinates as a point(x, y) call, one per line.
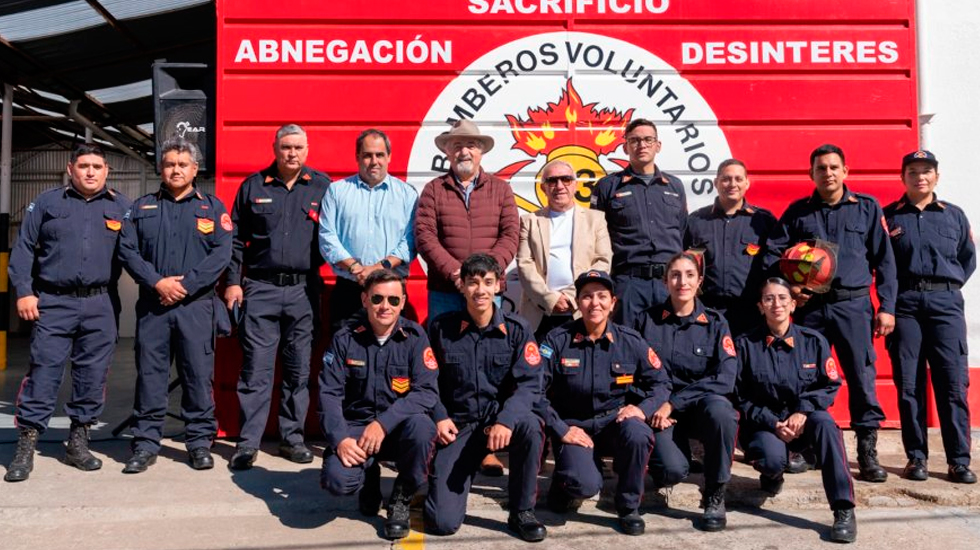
point(23, 463)
point(369, 498)
point(771, 485)
point(243, 458)
point(916, 470)
point(961, 473)
point(561, 502)
point(200, 458)
point(869, 469)
point(713, 519)
point(797, 463)
point(139, 462)
point(632, 523)
point(527, 526)
point(397, 526)
point(77, 454)
point(845, 527)
point(298, 453)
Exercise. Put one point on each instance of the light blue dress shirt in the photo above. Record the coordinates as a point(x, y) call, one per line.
point(368, 224)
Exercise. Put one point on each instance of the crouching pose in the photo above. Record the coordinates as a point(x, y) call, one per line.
point(787, 380)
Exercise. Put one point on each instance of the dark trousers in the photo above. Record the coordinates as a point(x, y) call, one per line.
point(578, 470)
point(345, 302)
point(184, 331)
point(83, 330)
point(456, 464)
point(276, 318)
point(410, 445)
point(714, 422)
point(848, 326)
point(930, 328)
point(636, 295)
point(768, 454)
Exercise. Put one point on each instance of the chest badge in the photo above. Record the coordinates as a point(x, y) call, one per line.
point(400, 385)
point(570, 362)
point(205, 226)
point(809, 365)
point(356, 363)
point(263, 200)
point(113, 225)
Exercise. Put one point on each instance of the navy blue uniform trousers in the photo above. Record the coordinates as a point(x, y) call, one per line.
point(456, 464)
point(275, 314)
point(636, 295)
point(410, 445)
point(713, 421)
point(930, 327)
point(848, 326)
point(578, 469)
point(768, 454)
point(184, 332)
point(83, 330)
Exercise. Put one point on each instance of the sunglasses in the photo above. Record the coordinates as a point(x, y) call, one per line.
point(555, 180)
point(393, 301)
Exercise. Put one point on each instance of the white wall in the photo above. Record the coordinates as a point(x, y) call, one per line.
point(950, 74)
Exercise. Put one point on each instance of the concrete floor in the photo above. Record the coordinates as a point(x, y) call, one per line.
point(279, 505)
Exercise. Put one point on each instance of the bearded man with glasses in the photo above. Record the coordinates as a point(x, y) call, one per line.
point(557, 244)
point(377, 390)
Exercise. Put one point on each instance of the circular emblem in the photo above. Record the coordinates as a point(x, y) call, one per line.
point(654, 360)
point(531, 354)
point(729, 346)
point(830, 366)
point(226, 222)
point(429, 359)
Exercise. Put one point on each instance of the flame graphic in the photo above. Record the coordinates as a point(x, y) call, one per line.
point(576, 123)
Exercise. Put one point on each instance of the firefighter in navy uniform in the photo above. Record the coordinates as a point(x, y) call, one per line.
point(377, 390)
point(602, 382)
point(489, 382)
point(64, 271)
point(845, 314)
point(698, 353)
point(786, 381)
point(935, 254)
point(275, 277)
point(175, 243)
point(646, 212)
point(732, 233)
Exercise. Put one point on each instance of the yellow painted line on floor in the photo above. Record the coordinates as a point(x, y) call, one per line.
point(415, 539)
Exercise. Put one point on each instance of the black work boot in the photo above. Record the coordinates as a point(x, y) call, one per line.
point(845, 527)
point(77, 453)
point(869, 469)
point(23, 462)
point(397, 524)
point(527, 526)
point(797, 463)
point(369, 497)
point(713, 503)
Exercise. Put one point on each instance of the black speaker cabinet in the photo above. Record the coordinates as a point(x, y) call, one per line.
point(181, 107)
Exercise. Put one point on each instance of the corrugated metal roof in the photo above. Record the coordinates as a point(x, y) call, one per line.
point(143, 88)
point(74, 16)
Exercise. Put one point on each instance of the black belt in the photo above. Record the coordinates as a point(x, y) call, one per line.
point(649, 271)
point(842, 294)
point(279, 279)
point(927, 284)
point(76, 291)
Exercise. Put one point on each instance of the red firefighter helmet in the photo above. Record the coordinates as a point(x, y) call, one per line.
point(810, 264)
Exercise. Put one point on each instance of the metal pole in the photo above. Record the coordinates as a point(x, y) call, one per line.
point(926, 111)
point(6, 146)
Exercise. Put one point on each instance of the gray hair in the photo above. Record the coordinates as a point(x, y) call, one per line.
point(180, 145)
point(558, 162)
point(289, 130)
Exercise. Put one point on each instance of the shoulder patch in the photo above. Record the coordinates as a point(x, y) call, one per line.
point(328, 358)
point(226, 222)
point(30, 207)
point(728, 345)
point(546, 351)
point(830, 367)
point(653, 359)
point(429, 359)
point(531, 354)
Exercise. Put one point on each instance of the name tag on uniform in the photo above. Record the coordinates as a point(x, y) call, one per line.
point(624, 379)
point(570, 362)
point(809, 365)
point(148, 207)
point(622, 194)
point(356, 363)
point(671, 194)
point(262, 200)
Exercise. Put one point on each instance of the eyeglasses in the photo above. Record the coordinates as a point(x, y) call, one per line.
point(637, 141)
point(782, 299)
point(555, 180)
point(393, 301)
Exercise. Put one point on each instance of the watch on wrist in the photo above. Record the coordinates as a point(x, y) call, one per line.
point(350, 268)
point(385, 263)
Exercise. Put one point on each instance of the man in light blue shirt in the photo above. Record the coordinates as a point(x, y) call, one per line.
point(366, 223)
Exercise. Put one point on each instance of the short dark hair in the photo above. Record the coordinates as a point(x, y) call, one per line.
point(480, 264)
point(827, 149)
point(730, 162)
point(83, 149)
point(775, 281)
point(368, 133)
point(380, 276)
point(637, 122)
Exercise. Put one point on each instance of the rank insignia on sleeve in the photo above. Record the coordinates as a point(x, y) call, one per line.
point(400, 385)
point(830, 366)
point(226, 222)
point(113, 225)
point(653, 358)
point(729, 346)
point(205, 225)
point(752, 249)
point(624, 379)
point(531, 354)
point(429, 359)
